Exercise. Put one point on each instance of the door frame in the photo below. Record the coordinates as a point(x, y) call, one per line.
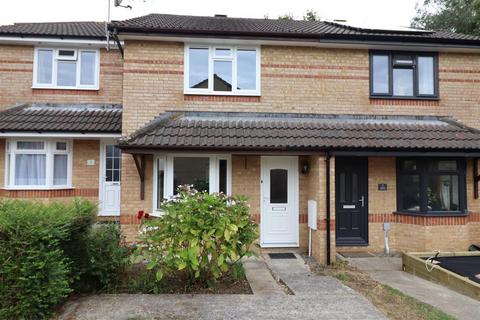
point(354, 242)
point(295, 188)
point(101, 180)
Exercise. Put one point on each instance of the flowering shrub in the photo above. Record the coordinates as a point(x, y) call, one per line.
point(201, 234)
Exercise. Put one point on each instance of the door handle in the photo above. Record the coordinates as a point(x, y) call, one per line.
point(362, 200)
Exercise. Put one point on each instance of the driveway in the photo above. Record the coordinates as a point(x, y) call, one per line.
point(388, 270)
point(314, 297)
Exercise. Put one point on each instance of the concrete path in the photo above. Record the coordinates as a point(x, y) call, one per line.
point(389, 271)
point(315, 297)
point(260, 279)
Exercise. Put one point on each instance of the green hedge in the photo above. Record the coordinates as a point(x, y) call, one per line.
point(46, 253)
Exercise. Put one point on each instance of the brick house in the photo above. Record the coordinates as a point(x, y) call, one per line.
point(378, 127)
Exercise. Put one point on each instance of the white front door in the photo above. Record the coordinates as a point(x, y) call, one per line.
point(110, 172)
point(279, 202)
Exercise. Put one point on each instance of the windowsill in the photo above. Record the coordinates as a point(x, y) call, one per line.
point(224, 93)
point(404, 98)
point(65, 88)
point(433, 214)
point(32, 188)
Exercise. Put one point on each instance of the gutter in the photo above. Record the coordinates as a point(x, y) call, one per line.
point(327, 204)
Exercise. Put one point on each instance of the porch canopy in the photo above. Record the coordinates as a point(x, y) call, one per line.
point(65, 120)
point(283, 133)
point(304, 133)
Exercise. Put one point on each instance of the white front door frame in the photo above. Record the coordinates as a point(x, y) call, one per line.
point(101, 181)
point(284, 162)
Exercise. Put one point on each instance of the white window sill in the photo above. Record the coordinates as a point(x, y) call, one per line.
point(222, 93)
point(34, 188)
point(67, 88)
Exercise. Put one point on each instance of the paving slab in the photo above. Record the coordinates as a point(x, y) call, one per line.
point(315, 297)
point(260, 279)
point(389, 271)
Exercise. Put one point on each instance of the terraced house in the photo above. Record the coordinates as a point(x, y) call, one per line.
point(378, 127)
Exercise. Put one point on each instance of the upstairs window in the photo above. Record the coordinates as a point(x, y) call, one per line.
point(222, 70)
point(66, 68)
point(403, 75)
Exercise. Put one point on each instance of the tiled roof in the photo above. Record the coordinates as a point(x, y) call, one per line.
point(276, 131)
point(181, 24)
point(84, 118)
point(84, 29)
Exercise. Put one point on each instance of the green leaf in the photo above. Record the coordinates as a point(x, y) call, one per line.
point(151, 264)
point(221, 260)
point(226, 234)
point(159, 275)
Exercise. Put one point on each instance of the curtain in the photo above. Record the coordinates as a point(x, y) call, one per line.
point(30, 169)
point(60, 165)
point(445, 192)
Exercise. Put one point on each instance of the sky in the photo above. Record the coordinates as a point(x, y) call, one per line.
point(374, 13)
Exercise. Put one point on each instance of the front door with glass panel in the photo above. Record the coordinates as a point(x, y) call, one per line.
point(110, 180)
point(279, 203)
point(351, 180)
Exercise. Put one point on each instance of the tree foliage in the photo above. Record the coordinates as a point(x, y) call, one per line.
point(311, 15)
point(461, 16)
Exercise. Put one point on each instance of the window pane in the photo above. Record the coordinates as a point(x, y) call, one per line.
point(160, 181)
point(343, 190)
point(409, 165)
point(66, 53)
point(425, 75)
point(30, 169)
point(87, 67)
point(403, 59)
point(30, 145)
point(222, 174)
point(442, 193)
point(278, 186)
point(44, 67)
point(222, 76)
point(223, 52)
point(380, 74)
point(246, 69)
point(61, 146)
point(192, 171)
point(198, 68)
point(442, 165)
point(403, 82)
point(66, 73)
point(60, 166)
point(410, 192)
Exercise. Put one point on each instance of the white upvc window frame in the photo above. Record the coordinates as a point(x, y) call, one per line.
point(49, 150)
point(214, 177)
point(55, 58)
point(211, 59)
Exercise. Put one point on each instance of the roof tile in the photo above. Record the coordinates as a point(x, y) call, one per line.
point(261, 131)
point(62, 118)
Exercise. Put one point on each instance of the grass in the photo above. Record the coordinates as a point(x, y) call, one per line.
point(395, 304)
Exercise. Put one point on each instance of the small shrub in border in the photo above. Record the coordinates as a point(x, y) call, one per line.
point(201, 234)
point(107, 257)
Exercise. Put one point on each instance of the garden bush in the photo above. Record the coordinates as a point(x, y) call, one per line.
point(200, 234)
point(107, 256)
point(47, 251)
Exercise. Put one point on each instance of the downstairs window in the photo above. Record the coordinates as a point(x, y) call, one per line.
point(204, 173)
point(431, 186)
point(38, 164)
